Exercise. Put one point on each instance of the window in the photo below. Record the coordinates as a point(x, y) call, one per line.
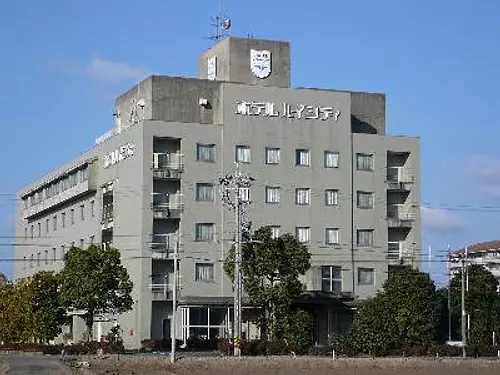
point(364, 162)
point(31, 231)
point(302, 196)
point(54, 254)
point(275, 231)
point(46, 257)
point(332, 236)
point(82, 212)
point(272, 194)
point(38, 255)
point(92, 204)
point(47, 226)
point(31, 261)
point(272, 155)
point(205, 152)
point(72, 216)
point(82, 242)
point(24, 263)
point(63, 251)
point(366, 276)
point(243, 154)
point(245, 194)
point(54, 220)
point(365, 237)
point(331, 159)
point(204, 232)
point(63, 219)
point(331, 279)
point(204, 272)
point(92, 240)
point(39, 229)
point(302, 157)
point(205, 192)
point(303, 234)
point(365, 199)
point(331, 197)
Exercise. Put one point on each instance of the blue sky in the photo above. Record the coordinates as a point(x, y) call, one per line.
point(63, 62)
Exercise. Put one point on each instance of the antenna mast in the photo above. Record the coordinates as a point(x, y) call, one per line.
point(220, 24)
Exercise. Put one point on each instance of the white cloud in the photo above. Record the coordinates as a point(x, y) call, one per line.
point(101, 69)
point(483, 172)
point(441, 219)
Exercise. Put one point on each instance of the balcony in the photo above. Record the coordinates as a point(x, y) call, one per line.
point(399, 178)
point(395, 250)
point(162, 245)
point(167, 166)
point(166, 206)
point(160, 291)
point(399, 217)
point(107, 217)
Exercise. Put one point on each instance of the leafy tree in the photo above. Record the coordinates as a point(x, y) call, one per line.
point(14, 322)
point(482, 303)
point(295, 329)
point(47, 313)
point(404, 314)
point(93, 280)
point(271, 269)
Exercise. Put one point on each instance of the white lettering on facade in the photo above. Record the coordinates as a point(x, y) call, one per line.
point(300, 111)
point(119, 154)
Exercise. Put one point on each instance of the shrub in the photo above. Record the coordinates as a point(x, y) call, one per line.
point(225, 346)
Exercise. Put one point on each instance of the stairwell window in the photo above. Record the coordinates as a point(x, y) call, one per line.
point(92, 212)
point(302, 157)
point(82, 212)
point(365, 237)
point(63, 219)
point(205, 152)
point(364, 162)
point(303, 234)
point(204, 272)
point(331, 279)
point(302, 196)
point(331, 197)
point(272, 155)
point(331, 159)
point(204, 232)
point(365, 199)
point(54, 219)
point(243, 154)
point(275, 231)
point(366, 276)
point(72, 216)
point(272, 194)
point(332, 236)
point(205, 192)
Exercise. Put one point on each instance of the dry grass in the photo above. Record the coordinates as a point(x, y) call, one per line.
point(291, 366)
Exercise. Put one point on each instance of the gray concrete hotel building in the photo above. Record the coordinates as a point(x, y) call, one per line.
point(324, 169)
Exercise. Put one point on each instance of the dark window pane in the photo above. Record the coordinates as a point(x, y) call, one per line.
point(198, 316)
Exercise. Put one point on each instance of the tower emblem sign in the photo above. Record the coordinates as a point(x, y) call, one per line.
point(260, 63)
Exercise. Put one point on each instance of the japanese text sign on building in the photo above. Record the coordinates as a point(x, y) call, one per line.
point(118, 155)
point(300, 111)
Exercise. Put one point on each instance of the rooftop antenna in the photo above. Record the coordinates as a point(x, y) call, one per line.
point(221, 24)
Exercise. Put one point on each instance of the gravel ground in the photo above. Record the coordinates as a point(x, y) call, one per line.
point(292, 366)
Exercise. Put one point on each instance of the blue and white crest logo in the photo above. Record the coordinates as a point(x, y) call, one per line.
point(260, 63)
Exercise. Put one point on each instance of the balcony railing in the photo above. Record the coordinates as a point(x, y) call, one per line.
point(160, 291)
point(107, 217)
point(166, 206)
point(167, 165)
point(399, 178)
point(395, 250)
point(162, 243)
point(398, 216)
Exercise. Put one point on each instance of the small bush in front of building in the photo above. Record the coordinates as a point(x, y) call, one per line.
point(225, 347)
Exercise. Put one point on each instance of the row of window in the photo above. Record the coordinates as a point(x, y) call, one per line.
point(36, 260)
point(205, 192)
point(331, 278)
point(243, 154)
point(57, 187)
point(364, 237)
point(57, 220)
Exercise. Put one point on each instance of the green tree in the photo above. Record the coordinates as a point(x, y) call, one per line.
point(404, 314)
point(482, 303)
point(47, 315)
point(271, 269)
point(14, 321)
point(94, 280)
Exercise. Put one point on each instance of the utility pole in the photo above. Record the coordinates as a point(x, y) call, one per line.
point(232, 186)
point(449, 294)
point(464, 315)
point(174, 303)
